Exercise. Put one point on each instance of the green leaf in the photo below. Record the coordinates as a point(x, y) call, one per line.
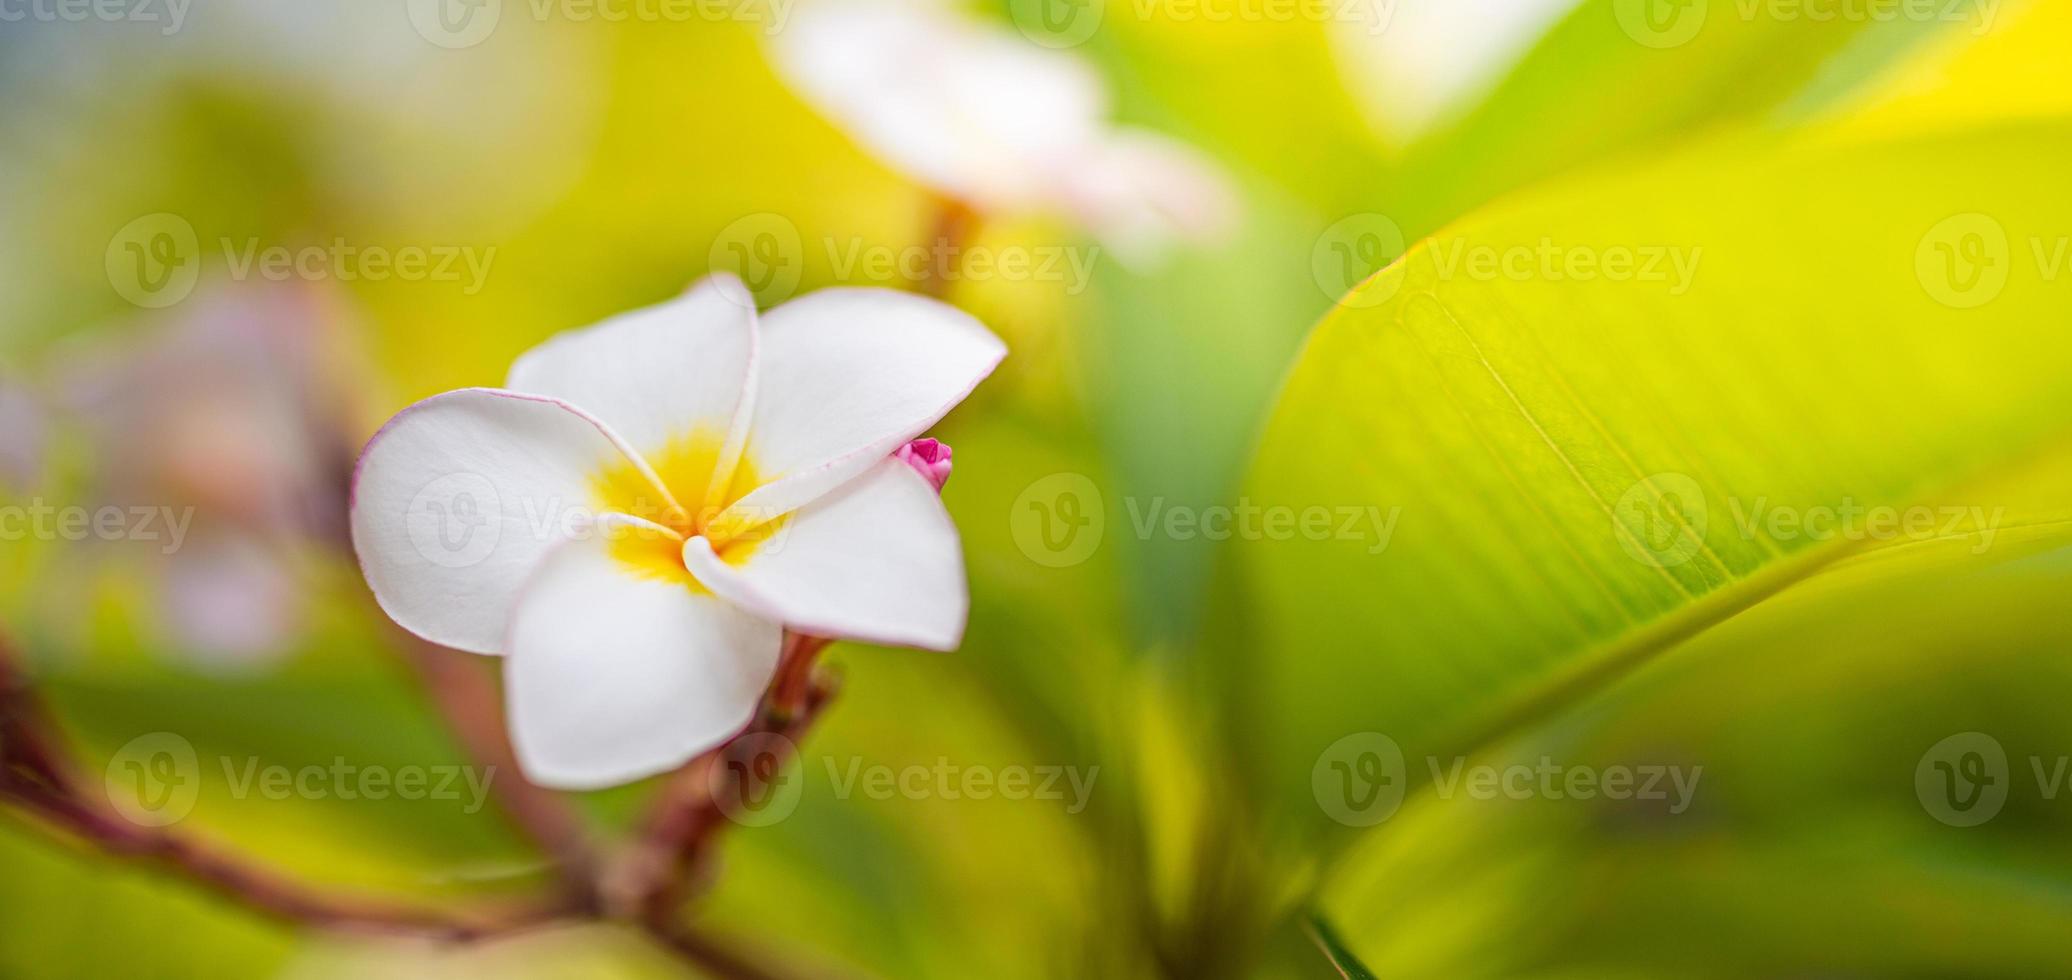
point(1181, 368)
point(1964, 78)
point(1608, 81)
point(1335, 951)
point(1583, 470)
point(117, 918)
point(1807, 843)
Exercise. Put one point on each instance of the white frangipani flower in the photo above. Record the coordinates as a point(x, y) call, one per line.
point(1414, 66)
point(727, 477)
point(986, 118)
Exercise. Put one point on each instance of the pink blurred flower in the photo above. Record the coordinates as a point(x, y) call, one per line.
point(22, 437)
point(227, 407)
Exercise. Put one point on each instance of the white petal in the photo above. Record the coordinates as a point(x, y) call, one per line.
point(614, 675)
point(973, 111)
point(458, 497)
point(1415, 66)
point(846, 377)
point(656, 374)
point(876, 560)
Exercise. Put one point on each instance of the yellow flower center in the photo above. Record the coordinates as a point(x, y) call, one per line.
point(685, 466)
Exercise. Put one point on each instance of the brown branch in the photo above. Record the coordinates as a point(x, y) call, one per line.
point(666, 863)
point(35, 776)
point(672, 856)
point(259, 889)
point(26, 749)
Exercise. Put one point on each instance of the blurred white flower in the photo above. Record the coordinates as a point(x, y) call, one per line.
point(1416, 65)
point(982, 116)
point(636, 519)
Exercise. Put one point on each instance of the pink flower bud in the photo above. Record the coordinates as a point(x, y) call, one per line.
point(929, 458)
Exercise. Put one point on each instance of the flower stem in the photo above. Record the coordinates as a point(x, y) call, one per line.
point(673, 856)
point(953, 226)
